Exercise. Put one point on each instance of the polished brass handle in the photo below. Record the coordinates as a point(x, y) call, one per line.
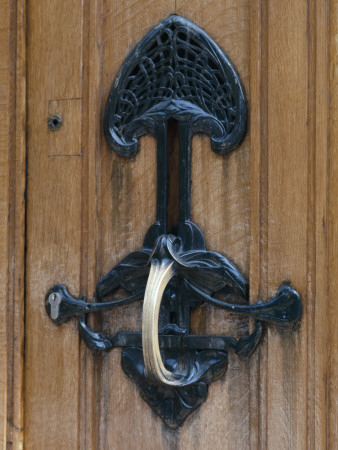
point(160, 274)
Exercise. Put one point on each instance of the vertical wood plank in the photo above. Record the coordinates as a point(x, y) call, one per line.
point(91, 176)
point(289, 187)
point(288, 203)
point(5, 111)
point(12, 220)
point(332, 428)
point(54, 223)
point(259, 207)
point(318, 25)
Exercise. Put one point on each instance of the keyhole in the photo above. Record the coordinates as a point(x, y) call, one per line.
point(54, 300)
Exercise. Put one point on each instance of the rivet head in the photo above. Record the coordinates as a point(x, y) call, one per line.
point(54, 122)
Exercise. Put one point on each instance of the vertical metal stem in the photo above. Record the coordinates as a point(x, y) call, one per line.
point(184, 134)
point(161, 134)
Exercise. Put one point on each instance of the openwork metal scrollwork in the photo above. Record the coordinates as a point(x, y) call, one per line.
point(175, 72)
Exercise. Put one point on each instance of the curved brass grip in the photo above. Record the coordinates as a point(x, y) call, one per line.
point(161, 272)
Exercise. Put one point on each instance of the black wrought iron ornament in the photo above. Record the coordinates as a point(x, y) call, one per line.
point(175, 72)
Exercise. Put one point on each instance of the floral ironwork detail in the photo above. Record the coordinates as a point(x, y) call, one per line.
point(200, 275)
point(176, 72)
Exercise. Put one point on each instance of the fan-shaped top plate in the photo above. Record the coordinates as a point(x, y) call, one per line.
point(176, 71)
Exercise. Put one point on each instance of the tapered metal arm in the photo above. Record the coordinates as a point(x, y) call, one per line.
point(283, 311)
point(61, 306)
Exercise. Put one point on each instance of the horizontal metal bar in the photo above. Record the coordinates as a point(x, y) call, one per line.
point(187, 342)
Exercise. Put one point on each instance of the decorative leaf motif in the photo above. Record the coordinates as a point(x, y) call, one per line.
point(131, 274)
point(172, 404)
point(206, 270)
point(212, 272)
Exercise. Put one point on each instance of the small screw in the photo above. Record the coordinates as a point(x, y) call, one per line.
point(54, 122)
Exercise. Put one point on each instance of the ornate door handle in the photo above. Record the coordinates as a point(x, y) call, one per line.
point(175, 72)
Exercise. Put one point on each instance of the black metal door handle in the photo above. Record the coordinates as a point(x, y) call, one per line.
point(175, 72)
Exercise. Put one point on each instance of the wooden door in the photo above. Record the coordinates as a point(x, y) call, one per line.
point(70, 209)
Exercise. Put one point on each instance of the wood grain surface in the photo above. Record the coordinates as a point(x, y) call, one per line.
point(270, 206)
point(12, 219)
point(332, 335)
point(54, 222)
